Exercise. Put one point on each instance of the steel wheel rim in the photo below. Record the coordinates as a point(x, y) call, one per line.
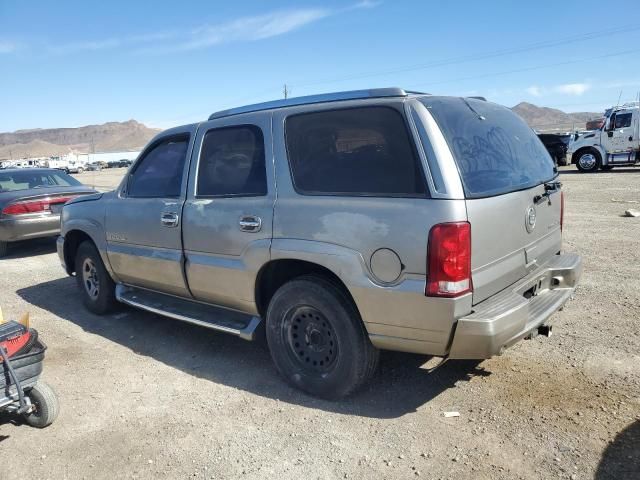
point(587, 161)
point(90, 278)
point(311, 340)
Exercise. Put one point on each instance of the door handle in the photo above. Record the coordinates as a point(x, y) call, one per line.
point(250, 223)
point(169, 219)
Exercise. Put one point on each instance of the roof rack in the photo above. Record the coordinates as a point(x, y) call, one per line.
point(309, 99)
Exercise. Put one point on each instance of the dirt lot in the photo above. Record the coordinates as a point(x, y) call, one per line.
point(147, 397)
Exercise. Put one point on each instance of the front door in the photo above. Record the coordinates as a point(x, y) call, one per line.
point(619, 134)
point(143, 220)
point(228, 212)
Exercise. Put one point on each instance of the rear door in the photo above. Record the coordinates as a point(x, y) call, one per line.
point(143, 220)
point(515, 219)
point(227, 220)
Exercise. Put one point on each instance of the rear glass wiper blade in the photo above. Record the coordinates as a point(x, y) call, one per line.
point(549, 188)
point(472, 109)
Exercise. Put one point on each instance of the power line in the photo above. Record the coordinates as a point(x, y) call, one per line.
point(526, 69)
point(480, 56)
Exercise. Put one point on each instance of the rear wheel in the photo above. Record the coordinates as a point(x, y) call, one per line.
point(317, 339)
point(45, 405)
point(96, 286)
point(588, 161)
point(4, 248)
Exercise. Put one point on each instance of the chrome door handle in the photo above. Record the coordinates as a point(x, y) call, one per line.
point(169, 219)
point(250, 223)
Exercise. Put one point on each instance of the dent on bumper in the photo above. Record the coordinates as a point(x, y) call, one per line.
point(509, 316)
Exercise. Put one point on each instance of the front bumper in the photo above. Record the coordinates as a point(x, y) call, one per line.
point(506, 318)
point(26, 227)
point(60, 248)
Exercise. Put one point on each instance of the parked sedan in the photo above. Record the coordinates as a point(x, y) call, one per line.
point(31, 201)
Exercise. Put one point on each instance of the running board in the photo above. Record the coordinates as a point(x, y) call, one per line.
point(208, 316)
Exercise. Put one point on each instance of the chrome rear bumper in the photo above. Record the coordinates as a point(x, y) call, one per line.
point(509, 316)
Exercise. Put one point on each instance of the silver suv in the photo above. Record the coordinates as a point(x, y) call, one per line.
point(344, 223)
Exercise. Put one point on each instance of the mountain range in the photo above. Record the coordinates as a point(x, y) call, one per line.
point(108, 137)
point(551, 119)
point(132, 135)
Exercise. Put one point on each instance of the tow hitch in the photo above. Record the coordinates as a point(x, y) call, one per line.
point(544, 330)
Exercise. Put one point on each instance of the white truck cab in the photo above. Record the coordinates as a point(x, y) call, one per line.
point(616, 143)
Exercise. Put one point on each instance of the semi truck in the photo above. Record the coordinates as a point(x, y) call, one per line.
point(615, 143)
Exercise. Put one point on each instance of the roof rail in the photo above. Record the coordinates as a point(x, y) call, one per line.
point(309, 99)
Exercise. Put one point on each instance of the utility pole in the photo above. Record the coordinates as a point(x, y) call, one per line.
point(286, 91)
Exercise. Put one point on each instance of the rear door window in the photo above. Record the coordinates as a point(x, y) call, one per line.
point(495, 150)
point(232, 163)
point(355, 151)
point(159, 173)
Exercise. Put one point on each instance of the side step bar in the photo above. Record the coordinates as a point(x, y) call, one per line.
point(208, 316)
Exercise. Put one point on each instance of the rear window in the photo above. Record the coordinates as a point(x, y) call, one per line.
point(355, 151)
point(495, 150)
point(27, 179)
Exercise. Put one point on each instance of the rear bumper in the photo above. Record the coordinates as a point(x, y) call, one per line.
point(15, 229)
point(506, 318)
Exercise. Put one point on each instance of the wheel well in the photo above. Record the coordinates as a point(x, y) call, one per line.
point(72, 241)
point(580, 151)
point(278, 272)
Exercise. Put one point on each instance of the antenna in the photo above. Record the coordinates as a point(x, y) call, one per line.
point(286, 91)
point(619, 97)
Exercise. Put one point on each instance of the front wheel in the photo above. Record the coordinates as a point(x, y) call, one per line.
point(589, 161)
point(45, 406)
point(95, 283)
point(4, 248)
point(317, 339)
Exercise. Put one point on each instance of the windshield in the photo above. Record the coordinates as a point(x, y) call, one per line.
point(495, 150)
point(12, 180)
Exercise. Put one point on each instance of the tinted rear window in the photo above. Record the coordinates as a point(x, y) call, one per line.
point(495, 150)
point(13, 180)
point(355, 151)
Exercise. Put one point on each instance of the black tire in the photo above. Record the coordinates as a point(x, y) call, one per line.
point(4, 248)
point(102, 298)
point(588, 160)
point(46, 406)
point(317, 339)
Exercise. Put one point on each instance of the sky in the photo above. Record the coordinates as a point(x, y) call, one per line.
point(74, 63)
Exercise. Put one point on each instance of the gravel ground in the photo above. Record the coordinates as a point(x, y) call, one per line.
point(146, 397)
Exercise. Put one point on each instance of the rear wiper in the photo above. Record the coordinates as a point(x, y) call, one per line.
point(549, 188)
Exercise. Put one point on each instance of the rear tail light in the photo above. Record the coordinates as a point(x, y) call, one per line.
point(561, 210)
point(449, 260)
point(40, 205)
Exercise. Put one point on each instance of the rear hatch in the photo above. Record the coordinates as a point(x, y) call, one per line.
point(512, 196)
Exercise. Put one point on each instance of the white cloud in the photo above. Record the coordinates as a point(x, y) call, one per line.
point(244, 29)
point(247, 29)
point(534, 90)
point(7, 47)
point(572, 88)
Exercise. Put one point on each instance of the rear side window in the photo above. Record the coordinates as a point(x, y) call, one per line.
point(357, 151)
point(232, 163)
point(159, 173)
point(495, 150)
